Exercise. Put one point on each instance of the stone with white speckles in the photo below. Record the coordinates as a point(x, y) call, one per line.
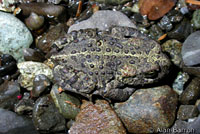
point(29, 70)
point(14, 36)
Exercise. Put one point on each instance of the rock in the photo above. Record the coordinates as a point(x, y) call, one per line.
point(178, 127)
point(102, 20)
point(34, 22)
point(181, 79)
point(29, 70)
point(191, 93)
point(187, 111)
point(11, 123)
point(155, 32)
point(25, 105)
point(40, 84)
point(155, 9)
point(70, 123)
point(46, 41)
point(197, 104)
point(195, 19)
point(175, 16)
point(49, 10)
point(181, 31)
point(7, 5)
point(97, 118)
point(148, 109)
point(8, 95)
point(192, 70)
point(33, 55)
point(14, 36)
point(112, 2)
point(191, 49)
point(184, 127)
point(68, 105)
point(54, 1)
point(165, 23)
point(173, 49)
point(46, 117)
point(8, 65)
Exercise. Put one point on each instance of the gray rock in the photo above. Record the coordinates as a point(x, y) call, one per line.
point(102, 20)
point(179, 82)
point(184, 127)
point(46, 117)
point(14, 36)
point(191, 49)
point(8, 95)
point(196, 19)
point(191, 92)
point(187, 111)
point(148, 109)
point(11, 123)
point(40, 84)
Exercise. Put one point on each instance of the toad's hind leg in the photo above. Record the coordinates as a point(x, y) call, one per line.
point(115, 91)
point(74, 80)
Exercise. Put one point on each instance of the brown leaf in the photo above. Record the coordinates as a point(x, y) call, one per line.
point(155, 9)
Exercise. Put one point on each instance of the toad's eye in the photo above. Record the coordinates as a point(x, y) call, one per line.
point(151, 74)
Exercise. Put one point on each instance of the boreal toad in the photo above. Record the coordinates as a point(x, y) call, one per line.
point(108, 63)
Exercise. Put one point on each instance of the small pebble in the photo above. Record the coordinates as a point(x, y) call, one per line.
point(40, 85)
point(181, 79)
point(187, 111)
point(29, 70)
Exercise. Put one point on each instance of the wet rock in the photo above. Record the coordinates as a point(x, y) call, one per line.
point(46, 117)
point(191, 93)
point(68, 105)
point(181, 31)
point(192, 70)
point(112, 2)
point(102, 20)
point(14, 36)
point(40, 85)
point(8, 94)
point(155, 32)
point(46, 41)
point(7, 65)
point(33, 55)
point(34, 22)
point(181, 79)
point(97, 118)
point(49, 10)
point(29, 70)
point(195, 19)
point(197, 104)
point(54, 1)
point(187, 111)
point(173, 49)
point(148, 109)
point(155, 9)
point(165, 23)
point(184, 127)
point(25, 105)
point(175, 16)
point(7, 5)
point(191, 49)
point(179, 126)
point(11, 123)
point(70, 123)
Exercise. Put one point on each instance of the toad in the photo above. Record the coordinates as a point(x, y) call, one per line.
point(108, 63)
